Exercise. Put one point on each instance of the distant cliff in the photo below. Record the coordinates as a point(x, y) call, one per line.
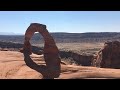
point(66, 37)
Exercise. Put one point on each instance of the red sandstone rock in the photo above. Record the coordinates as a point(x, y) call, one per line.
point(51, 52)
point(109, 56)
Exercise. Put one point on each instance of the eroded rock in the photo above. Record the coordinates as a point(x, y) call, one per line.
point(109, 55)
point(50, 51)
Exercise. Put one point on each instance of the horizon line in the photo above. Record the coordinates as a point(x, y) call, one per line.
point(12, 33)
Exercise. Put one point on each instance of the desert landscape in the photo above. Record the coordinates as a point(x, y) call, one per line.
point(84, 59)
point(59, 45)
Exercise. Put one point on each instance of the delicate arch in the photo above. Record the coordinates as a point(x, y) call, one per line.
point(51, 52)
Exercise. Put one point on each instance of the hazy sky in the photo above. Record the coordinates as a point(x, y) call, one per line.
point(61, 21)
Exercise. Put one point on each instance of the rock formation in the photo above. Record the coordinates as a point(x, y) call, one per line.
point(109, 55)
point(51, 52)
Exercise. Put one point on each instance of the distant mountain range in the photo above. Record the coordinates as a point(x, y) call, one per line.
point(66, 37)
point(9, 33)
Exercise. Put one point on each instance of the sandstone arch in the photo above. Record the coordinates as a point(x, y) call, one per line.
point(51, 52)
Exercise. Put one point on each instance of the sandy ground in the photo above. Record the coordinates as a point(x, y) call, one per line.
point(12, 66)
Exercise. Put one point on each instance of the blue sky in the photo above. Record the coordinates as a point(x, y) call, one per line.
point(61, 21)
